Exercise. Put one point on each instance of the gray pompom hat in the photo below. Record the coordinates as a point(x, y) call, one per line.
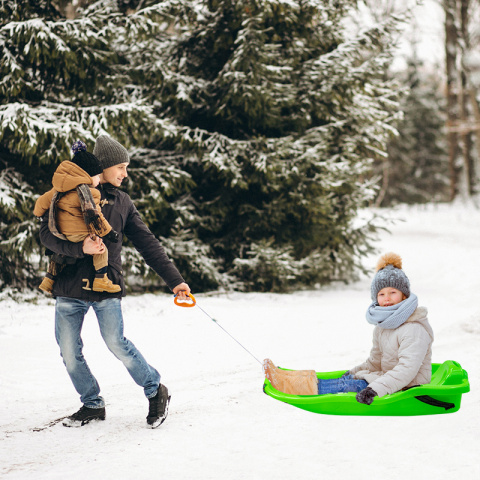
point(110, 152)
point(390, 274)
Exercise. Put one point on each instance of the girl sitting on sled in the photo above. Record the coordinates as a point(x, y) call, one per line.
point(402, 345)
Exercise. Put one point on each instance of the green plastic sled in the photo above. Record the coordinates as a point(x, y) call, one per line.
point(442, 395)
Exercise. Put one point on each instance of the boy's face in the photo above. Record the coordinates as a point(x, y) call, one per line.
point(95, 180)
point(115, 174)
point(389, 296)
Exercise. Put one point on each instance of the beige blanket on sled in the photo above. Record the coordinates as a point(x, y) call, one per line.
point(293, 382)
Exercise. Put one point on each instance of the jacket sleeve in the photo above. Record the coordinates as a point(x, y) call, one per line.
point(56, 245)
point(374, 362)
point(413, 345)
point(42, 204)
point(150, 248)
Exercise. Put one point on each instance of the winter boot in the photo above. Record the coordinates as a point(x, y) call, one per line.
point(293, 382)
point(83, 416)
point(46, 285)
point(158, 407)
point(104, 284)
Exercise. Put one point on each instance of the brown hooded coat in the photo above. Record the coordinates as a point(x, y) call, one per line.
point(70, 217)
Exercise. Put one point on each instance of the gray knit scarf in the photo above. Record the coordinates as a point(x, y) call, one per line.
point(393, 316)
point(89, 210)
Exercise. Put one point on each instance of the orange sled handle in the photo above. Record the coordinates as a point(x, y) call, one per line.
point(185, 303)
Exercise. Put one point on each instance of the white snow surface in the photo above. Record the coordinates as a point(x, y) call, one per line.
point(221, 425)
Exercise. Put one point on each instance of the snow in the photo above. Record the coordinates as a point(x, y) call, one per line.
point(426, 31)
point(422, 35)
point(221, 425)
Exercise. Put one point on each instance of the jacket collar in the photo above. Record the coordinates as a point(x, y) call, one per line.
point(108, 188)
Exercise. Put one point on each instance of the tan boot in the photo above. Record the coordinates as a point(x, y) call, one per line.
point(104, 284)
point(293, 382)
point(46, 285)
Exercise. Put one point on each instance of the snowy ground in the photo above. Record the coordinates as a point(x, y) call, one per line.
point(221, 425)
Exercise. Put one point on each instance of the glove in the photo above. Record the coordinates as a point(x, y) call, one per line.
point(366, 396)
point(112, 236)
point(346, 374)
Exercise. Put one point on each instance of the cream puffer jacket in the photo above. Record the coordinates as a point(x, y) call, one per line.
point(399, 358)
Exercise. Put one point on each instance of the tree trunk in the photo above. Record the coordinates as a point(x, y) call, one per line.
point(466, 133)
point(476, 115)
point(451, 38)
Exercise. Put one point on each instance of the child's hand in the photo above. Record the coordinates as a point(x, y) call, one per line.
point(366, 396)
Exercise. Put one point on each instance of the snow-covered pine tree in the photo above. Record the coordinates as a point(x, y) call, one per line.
point(62, 79)
point(252, 125)
point(283, 112)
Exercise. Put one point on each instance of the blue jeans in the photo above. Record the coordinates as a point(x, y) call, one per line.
point(69, 317)
point(341, 385)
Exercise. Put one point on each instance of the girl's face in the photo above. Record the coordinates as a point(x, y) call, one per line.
point(389, 296)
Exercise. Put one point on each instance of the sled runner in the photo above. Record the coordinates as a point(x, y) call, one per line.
point(442, 395)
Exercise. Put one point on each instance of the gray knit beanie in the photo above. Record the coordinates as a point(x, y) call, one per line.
point(390, 274)
point(110, 152)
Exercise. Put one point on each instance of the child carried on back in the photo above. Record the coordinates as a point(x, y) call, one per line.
point(73, 206)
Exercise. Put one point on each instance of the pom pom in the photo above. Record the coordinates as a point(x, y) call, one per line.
point(389, 259)
point(78, 146)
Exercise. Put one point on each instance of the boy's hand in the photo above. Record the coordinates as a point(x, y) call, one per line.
point(181, 291)
point(366, 396)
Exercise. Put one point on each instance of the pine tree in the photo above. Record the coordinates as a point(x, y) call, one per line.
point(282, 115)
point(252, 126)
point(417, 164)
point(61, 79)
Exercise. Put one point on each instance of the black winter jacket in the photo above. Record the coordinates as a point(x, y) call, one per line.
point(75, 280)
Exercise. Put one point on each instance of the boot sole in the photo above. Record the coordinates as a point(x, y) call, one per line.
point(108, 290)
point(75, 424)
point(105, 290)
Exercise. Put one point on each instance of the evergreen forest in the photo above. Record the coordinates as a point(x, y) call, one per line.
point(258, 132)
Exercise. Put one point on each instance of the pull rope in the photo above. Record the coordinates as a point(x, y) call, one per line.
point(216, 323)
point(231, 336)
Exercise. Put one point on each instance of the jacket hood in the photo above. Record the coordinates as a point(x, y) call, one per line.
point(420, 316)
point(69, 176)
